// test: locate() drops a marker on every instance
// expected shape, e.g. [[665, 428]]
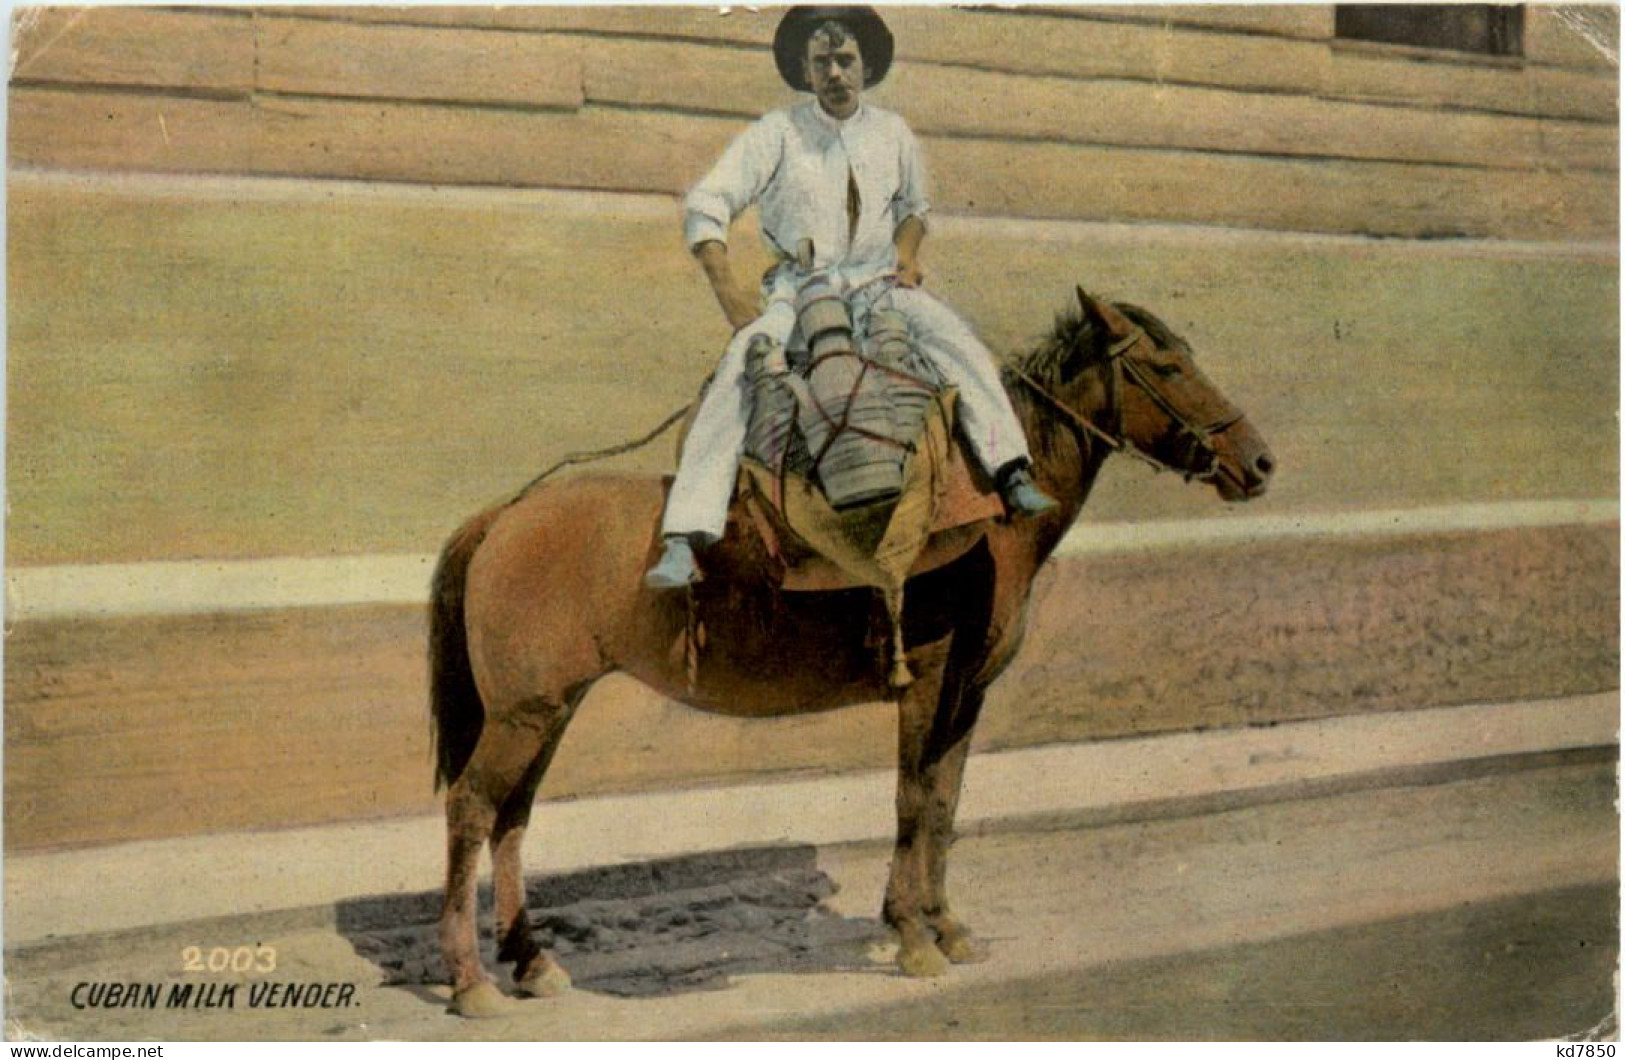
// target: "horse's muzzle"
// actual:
[[1243, 464]]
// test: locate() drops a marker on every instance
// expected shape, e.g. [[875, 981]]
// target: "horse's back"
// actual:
[[571, 532], [561, 566]]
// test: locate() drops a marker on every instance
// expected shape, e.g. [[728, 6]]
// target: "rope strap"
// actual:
[[604, 454]]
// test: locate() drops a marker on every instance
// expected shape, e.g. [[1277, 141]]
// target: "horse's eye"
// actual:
[[1168, 369]]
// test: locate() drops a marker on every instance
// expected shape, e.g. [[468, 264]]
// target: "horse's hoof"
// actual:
[[478, 1002], [957, 943], [962, 949], [922, 961], [549, 979]]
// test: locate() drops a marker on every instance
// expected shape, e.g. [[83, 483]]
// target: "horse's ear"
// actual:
[[1105, 314]]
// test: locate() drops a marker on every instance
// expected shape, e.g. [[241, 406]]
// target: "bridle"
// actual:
[[1120, 364]]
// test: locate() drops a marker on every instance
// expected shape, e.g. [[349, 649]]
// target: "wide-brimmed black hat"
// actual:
[[790, 42]]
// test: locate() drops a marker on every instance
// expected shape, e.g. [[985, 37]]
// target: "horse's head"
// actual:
[[1130, 382]]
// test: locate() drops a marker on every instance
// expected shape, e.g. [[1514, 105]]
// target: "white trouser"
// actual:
[[709, 465]]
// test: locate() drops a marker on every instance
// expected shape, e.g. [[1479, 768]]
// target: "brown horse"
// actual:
[[536, 599]]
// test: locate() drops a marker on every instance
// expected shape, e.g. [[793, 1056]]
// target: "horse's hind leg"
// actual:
[[469, 819], [490, 800], [535, 971]]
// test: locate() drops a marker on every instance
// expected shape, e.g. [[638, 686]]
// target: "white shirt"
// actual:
[[796, 163]]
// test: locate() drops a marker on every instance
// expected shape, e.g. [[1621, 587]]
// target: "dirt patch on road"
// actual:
[[647, 929]]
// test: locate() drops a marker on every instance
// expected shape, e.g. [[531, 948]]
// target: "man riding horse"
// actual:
[[538, 597], [841, 190]]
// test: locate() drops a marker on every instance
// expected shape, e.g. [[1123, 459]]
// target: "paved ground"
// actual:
[[98, 890], [1529, 967], [1482, 907]]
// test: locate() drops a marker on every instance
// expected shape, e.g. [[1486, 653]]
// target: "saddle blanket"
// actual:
[[820, 548]]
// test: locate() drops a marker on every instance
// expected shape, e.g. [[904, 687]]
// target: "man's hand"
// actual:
[[738, 305], [908, 237]]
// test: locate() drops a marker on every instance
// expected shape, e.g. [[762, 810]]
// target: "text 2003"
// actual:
[[228, 959]]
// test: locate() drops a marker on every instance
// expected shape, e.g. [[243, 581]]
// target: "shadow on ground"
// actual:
[[658, 927]]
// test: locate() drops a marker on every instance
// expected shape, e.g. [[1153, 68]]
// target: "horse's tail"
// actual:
[[456, 714]]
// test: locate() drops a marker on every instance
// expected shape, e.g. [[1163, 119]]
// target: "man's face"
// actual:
[[835, 72]]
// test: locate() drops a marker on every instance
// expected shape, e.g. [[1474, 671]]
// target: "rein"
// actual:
[[604, 454], [1115, 356], [1116, 442]]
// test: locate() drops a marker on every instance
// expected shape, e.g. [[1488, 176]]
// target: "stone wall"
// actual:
[[314, 284]]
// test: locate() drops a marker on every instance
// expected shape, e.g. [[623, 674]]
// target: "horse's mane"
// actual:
[[1076, 336], [1075, 343]]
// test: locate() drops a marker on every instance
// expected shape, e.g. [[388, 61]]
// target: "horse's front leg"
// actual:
[[908, 891], [954, 939]]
